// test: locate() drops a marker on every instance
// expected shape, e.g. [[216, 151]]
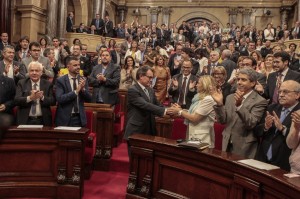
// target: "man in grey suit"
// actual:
[[242, 112], [9, 67], [105, 80], [35, 51]]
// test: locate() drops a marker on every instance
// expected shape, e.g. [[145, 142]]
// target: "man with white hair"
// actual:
[[34, 96]]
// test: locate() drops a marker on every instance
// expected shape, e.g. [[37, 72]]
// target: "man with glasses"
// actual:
[[35, 51], [85, 65], [283, 73], [241, 113], [182, 88], [143, 105], [105, 80], [276, 125]]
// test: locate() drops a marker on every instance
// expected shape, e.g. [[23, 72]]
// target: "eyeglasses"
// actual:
[[286, 92], [150, 77]]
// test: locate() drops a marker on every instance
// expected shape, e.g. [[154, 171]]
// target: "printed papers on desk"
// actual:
[[30, 126], [68, 128], [194, 145], [258, 164]]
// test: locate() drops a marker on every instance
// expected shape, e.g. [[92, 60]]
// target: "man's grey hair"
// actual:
[[252, 74]]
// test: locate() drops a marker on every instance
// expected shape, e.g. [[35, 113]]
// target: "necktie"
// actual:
[[283, 115], [24, 54], [147, 93], [97, 24], [275, 94], [182, 92], [75, 103], [33, 106]]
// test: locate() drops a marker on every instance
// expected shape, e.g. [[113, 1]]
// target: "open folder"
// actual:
[[196, 145]]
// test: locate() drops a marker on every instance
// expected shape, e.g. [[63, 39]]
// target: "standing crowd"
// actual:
[[236, 76]]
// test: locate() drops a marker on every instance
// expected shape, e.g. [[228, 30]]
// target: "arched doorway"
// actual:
[[199, 20], [199, 16]]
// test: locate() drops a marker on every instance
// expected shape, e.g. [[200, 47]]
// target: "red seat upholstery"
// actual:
[[179, 129], [218, 135], [119, 124]]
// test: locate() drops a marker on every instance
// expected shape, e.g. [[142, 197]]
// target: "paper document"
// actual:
[[69, 128], [30, 126], [258, 164]]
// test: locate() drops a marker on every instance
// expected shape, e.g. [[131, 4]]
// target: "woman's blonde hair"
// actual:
[[207, 82]]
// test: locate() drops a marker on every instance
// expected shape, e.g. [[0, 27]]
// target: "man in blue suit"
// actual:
[[71, 93]]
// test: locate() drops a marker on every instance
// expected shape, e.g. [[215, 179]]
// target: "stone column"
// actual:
[[102, 9], [166, 16], [284, 11], [51, 26], [298, 10], [121, 13], [154, 14], [62, 16], [96, 7], [232, 15], [246, 15], [5, 17]]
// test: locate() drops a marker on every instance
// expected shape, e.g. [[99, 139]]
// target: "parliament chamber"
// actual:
[[45, 163]]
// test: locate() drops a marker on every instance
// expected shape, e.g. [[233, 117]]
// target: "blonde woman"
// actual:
[[200, 117]]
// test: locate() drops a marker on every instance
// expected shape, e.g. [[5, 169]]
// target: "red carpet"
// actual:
[[112, 184]]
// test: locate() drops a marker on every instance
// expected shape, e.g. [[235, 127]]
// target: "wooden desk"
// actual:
[[42, 163], [160, 169]]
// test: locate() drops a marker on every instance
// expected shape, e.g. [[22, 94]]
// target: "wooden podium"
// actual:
[[43, 163], [161, 169]]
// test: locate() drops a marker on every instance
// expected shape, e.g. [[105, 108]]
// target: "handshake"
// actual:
[[173, 110]]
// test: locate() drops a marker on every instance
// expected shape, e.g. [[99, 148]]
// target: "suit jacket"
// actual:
[[113, 54], [171, 65], [101, 25], [295, 65], [7, 93], [175, 92], [78, 30], [280, 150], [141, 111], [69, 26], [20, 75], [108, 89], [229, 66], [44, 61], [24, 88], [85, 65], [217, 39], [65, 97], [110, 29], [272, 79], [240, 123]]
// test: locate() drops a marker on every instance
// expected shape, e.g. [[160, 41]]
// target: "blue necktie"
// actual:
[[283, 115]]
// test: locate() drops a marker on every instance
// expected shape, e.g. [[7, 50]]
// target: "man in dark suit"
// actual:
[[182, 88], [105, 80], [34, 96], [214, 57], [241, 113], [296, 29], [81, 28], [70, 22], [71, 93], [7, 95], [228, 64], [85, 64], [175, 60], [283, 73], [108, 28], [116, 54], [9, 67], [275, 127], [143, 105], [98, 23], [250, 48], [4, 41]]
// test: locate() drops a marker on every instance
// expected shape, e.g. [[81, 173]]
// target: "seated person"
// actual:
[[81, 28]]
